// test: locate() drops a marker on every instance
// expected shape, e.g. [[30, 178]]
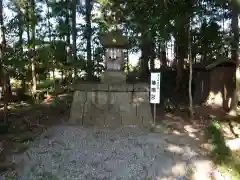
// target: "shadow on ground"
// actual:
[[26, 122], [179, 149], [68, 152], [211, 135]]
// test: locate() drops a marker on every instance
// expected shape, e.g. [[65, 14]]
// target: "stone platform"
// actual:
[[113, 77], [111, 105]]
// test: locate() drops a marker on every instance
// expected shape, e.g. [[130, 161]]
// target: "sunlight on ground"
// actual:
[[191, 131], [175, 149], [15, 106], [215, 99]]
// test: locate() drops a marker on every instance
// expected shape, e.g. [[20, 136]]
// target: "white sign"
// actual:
[[155, 88]]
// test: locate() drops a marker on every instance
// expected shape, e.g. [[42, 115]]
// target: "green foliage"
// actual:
[[146, 22], [220, 151], [45, 84]]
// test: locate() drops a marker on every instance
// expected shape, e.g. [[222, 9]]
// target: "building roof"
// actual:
[[220, 62], [207, 66], [115, 39]]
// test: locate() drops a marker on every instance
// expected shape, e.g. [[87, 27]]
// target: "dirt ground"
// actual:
[[32, 121], [179, 119]]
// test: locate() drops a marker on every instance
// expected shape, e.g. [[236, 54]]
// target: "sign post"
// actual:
[[155, 92]]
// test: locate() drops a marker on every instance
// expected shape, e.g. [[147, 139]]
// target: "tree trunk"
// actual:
[[50, 38], [181, 47], [51, 57], [144, 61], [191, 111], [3, 73], [68, 39], [162, 54], [32, 48], [147, 53], [20, 35], [28, 34], [28, 25], [67, 20], [88, 9], [152, 54], [234, 48], [74, 36]]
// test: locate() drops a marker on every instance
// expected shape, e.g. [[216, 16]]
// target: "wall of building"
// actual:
[[221, 87]]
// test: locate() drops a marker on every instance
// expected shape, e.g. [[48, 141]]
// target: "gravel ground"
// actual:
[[77, 153]]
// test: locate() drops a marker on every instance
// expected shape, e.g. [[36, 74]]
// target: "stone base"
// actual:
[[111, 105], [113, 77]]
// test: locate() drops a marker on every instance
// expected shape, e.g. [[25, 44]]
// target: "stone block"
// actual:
[[77, 108], [112, 108], [112, 77]]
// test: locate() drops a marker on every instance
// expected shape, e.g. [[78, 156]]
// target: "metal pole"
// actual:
[[154, 114]]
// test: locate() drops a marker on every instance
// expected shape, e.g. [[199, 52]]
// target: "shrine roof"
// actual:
[[115, 39]]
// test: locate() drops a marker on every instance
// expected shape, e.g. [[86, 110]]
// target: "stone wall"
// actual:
[[111, 105]]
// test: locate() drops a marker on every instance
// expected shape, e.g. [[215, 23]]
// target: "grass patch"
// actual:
[[228, 162], [24, 138]]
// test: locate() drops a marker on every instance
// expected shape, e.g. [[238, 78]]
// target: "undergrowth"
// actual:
[[228, 162]]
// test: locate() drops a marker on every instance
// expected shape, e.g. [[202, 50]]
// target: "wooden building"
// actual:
[[214, 83]]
